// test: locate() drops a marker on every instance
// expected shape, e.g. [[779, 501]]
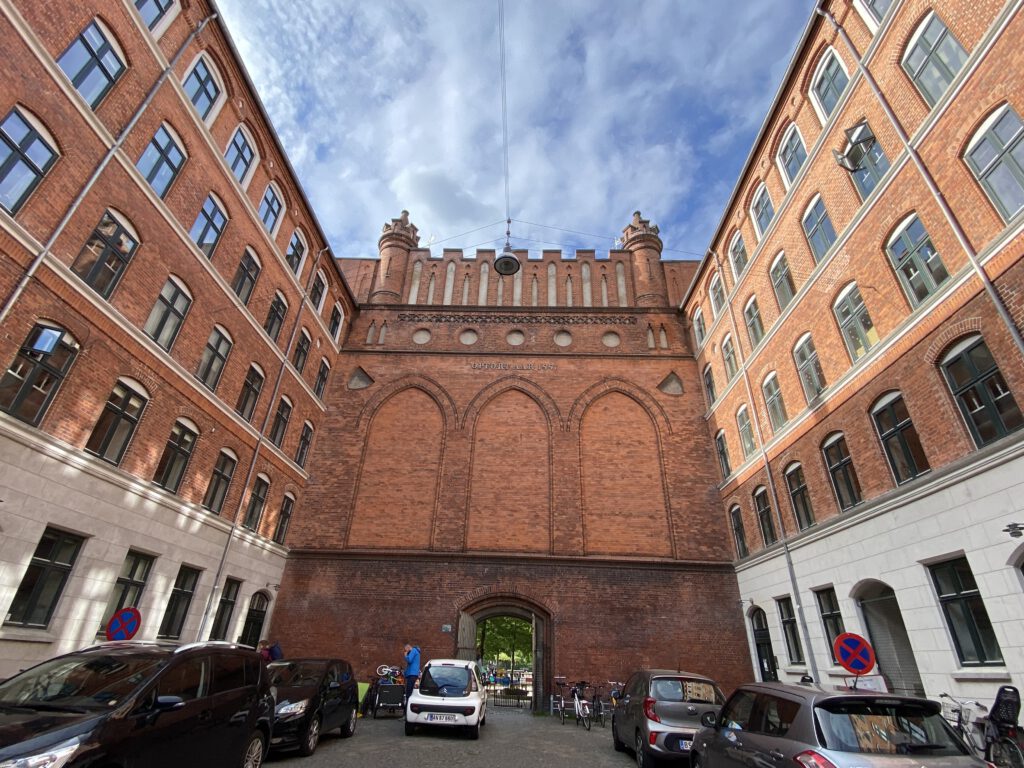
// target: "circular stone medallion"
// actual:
[[515, 338], [469, 337], [611, 339], [563, 338], [422, 336]]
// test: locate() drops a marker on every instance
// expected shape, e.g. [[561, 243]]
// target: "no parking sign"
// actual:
[[854, 653], [124, 624]]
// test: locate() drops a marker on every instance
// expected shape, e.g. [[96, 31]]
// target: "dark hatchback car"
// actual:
[[815, 727], [659, 710], [145, 705], [313, 696]]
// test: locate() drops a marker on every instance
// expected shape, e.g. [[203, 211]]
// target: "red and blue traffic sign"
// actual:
[[124, 624], [854, 653]]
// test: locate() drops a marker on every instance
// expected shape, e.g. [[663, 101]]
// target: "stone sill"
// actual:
[[24, 635], [966, 675]]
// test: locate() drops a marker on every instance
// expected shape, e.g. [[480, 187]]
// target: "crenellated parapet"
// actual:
[[397, 238]]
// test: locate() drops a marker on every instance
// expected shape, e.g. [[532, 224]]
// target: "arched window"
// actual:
[[763, 508], [449, 283], [933, 58], [204, 88], [978, 386], [996, 158], [215, 356], [246, 275], [162, 159], [220, 480], [321, 378], [568, 291], [917, 263], [808, 367], [275, 316], [798, 496], [717, 295], [414, 286], [93, 62], [818, 228], [729, 358], [709, 385], [782, 281], [587, 293], [252, 629], [752, 318], [301, 352], [337, 319], [485, 272], [250, 394], [296, 250], [840, 469], [284, 517], [792, 154], [33, 377], [827, 86], [318, 291], [899, 437], [168, 313], [305, 441], [738, 255], [281, 417], [739, 536], [699, 332], [177, 452], [620, 282], [872, 11], [117, 421], [271, 208], [242, 155], [209, 225], [28, 154], [107, 253], [257, 501], [722, 449], [762, 211], [157, 15], [552, 287], [746, 431], [854, 322], [773, 401]]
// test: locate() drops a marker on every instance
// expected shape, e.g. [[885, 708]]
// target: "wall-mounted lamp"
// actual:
[[1016, 530], [275, 586]]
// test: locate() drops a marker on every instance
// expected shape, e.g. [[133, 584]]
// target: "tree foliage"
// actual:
[[505, 637]]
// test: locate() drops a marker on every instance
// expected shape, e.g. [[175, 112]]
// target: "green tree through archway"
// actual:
[[505, 641]]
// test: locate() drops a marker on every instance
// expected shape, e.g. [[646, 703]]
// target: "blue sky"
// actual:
[[612, 107]]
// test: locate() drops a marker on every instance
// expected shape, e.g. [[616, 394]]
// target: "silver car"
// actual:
[[765, 724], [659, 710]]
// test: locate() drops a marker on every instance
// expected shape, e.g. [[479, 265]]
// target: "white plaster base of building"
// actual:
[[960, 511], [46, 483]]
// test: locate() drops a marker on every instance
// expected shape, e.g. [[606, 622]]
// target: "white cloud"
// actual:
[[612, 107]]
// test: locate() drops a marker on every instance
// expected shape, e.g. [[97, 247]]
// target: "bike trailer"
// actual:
[[390, 695]]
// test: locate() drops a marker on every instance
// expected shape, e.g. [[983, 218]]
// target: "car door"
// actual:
[[632, 707], [724, 746], [333, 708], [765, 745], [231, 704], [169, 738]]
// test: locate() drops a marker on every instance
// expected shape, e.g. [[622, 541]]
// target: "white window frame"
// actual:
[[244, 183], [762, 188], [990, 121], [819, 108], [732, 242], [297, 232], [869, 18], [699, 313], [161, 26], [715, 310], [786, 181], [272, 234], [218, 79], [739, 431]]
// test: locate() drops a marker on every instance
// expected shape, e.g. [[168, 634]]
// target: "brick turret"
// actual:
[[398, 238], [641, 239]]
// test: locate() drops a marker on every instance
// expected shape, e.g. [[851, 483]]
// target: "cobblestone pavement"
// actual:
[[511, 739]]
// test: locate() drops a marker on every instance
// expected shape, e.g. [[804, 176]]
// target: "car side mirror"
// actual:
[[709, 719], [169, 703], [334, 685]]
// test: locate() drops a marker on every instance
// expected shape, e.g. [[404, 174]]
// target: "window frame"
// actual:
[[855, 322], [219, 486], [300, 354], [841, 466], [215, 357], [824, 115], [831, 614], [35, 134], [978, 384], [278, 214], [774, 414], [95, 61], [739, 535], [278, 312], [257, 502], [817, 234], [177, 455], [737, 240], [98, 443], [729, 359], [757, 209], [282, 416], [708, 378], [747, 321], [322, 374], [716, 295], [296, 264], [305, 443], [186, 583], [799, 497], [249, 395], [912, 256], [970, 601], [234, 153], [161, 157], [334, 325], [169, 307], [722, 451], [130, 584], [159, 24], [900, 430], [284, 517], [245, 279], [780, 161], [808, 370], [108, 253], [41, 569], [790, 631], [700, 333], [745, 429], [225, 608], [1014, 168], [780, 260], [209, 221], [931, 59], [763, 511], [875, 164], [214, 78], [318, 300], [40, 370]]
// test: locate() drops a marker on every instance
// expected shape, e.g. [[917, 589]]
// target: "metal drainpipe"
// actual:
[[259, 444], [23, 282], [951, 218], [802, 618]]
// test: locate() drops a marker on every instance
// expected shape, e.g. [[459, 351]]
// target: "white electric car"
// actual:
[[449, 693]]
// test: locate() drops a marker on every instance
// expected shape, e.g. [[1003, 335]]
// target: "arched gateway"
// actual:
[[519, 456]]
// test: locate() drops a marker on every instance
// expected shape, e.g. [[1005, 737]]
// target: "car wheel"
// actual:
[[410, 729], [254, 750], [473, 731], [643, 760], [348, 728], [616, 741], [311, 737]]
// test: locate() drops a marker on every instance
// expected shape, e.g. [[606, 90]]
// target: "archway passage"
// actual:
[[888, 636], [510, 637]]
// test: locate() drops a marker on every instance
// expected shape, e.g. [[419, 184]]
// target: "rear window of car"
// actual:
[[686, 689], [287, 673], [228, 672], [886, 727], [445, 681]]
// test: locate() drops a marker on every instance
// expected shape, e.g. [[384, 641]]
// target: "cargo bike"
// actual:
[[388, 691]]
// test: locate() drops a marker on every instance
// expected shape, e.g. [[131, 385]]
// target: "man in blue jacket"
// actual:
[[412, 668]]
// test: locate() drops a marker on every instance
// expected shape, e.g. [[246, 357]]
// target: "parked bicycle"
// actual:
[[580, 706], [999, 729], [388, 690], [602, 710]]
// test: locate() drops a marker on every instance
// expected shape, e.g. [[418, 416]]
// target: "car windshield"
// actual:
[[686, 689], [286, 673], [445, 681], [886, 727], [94, 680]]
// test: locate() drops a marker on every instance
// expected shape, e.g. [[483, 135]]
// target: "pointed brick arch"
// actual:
[[438, 393], [643, 399], [527, 387]]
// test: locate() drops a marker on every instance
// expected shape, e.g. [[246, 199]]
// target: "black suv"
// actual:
[[152, 705]]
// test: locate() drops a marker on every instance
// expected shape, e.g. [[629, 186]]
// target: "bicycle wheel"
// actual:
[[382, 670], [561, 709], [1006, 754], [585, 717], [602, 714]]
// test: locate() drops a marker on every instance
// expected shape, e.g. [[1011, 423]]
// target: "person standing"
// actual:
[[412, 668]]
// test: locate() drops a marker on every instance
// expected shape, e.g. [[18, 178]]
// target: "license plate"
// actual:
[[434, 717], [684, 746]]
